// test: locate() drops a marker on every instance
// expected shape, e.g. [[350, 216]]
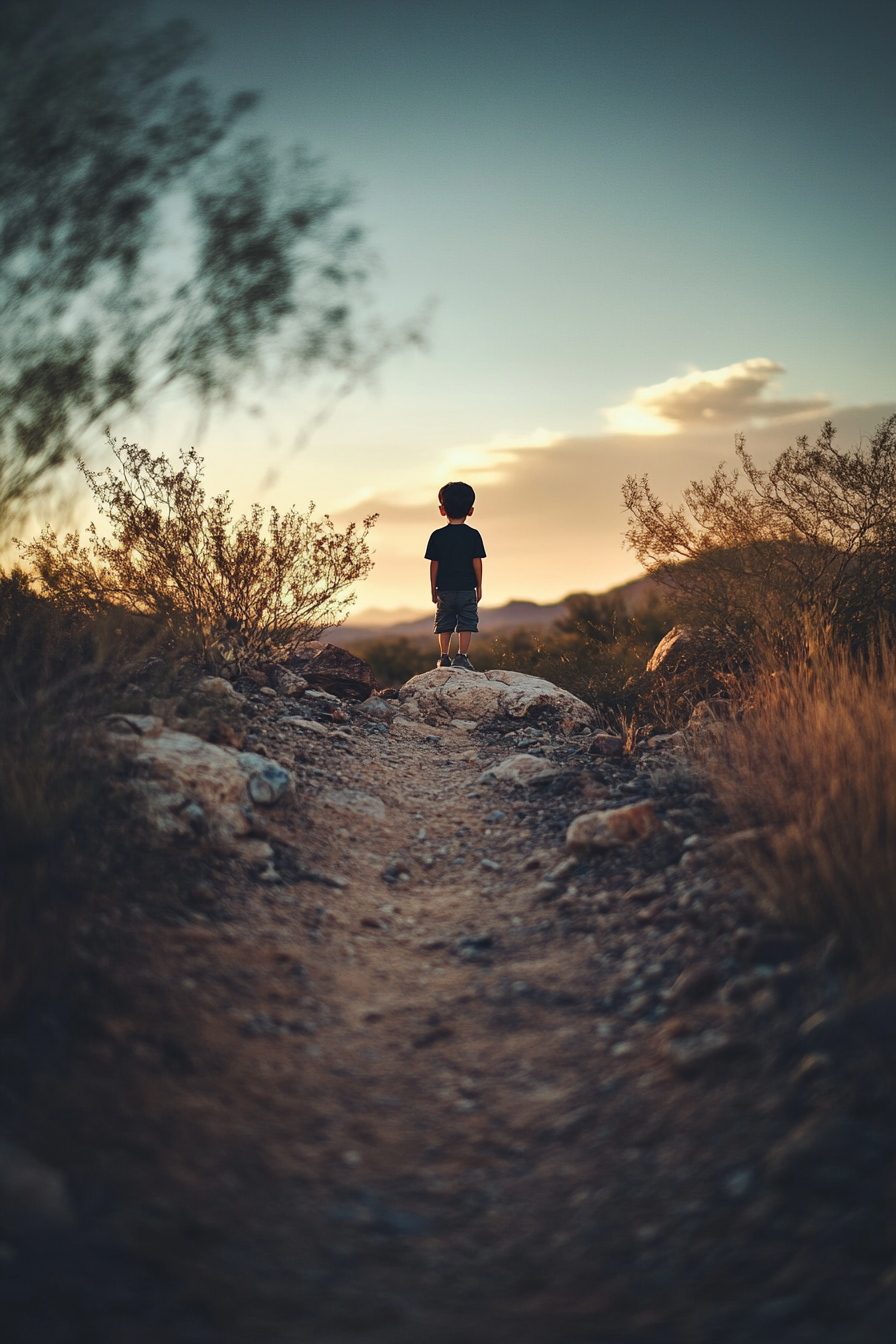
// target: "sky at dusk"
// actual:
[[641, 227]]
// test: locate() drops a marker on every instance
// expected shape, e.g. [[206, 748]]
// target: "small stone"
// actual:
[[268, 780], [268, 691], [289, 684], [629, 825], [491, 864], [305, 726], [524, 769], [356, 802], [218, 688], [395, 871], [545, 891], [474, 945], [606, 744], [376, 708], [694, 983], [494, 816]]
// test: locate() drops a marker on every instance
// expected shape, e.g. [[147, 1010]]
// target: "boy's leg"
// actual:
[[463, 640], [445, 642]]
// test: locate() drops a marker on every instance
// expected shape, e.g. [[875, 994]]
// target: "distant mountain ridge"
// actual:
[[514, 615]]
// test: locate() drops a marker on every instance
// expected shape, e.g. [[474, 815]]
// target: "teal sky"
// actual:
[[598, 197]]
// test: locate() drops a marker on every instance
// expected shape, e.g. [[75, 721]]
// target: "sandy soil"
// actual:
[[400, 1091]]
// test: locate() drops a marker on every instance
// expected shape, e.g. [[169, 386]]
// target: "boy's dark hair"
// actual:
[[457, 498]]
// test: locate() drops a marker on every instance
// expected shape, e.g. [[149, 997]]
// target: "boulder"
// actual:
[[521, 769], [185, 787], [450, 693], [671, 648], [612, 829], [326, 667]]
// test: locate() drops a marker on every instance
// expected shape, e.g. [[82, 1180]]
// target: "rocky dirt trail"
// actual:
[[430, 1073]]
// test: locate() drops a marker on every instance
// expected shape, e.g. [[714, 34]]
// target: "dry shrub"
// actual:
[[813, 765], [236, 589], [754, 555]]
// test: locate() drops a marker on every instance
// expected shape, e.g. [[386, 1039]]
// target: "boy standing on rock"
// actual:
[[455, 554]]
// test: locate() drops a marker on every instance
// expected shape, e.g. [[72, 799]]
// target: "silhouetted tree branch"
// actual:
[[143, 243]]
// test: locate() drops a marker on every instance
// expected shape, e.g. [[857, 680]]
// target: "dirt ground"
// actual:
[[410, 1086]]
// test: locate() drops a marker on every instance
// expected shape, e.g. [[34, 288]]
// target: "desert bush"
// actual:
[[236, 589], [812, 539], [812, 766]]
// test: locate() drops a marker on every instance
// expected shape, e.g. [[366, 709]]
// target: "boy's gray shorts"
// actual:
[[456, 611]]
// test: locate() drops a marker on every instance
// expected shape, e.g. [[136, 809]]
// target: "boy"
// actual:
[[455, 554]]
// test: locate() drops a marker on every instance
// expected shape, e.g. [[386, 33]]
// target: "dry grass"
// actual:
[[813, 764]]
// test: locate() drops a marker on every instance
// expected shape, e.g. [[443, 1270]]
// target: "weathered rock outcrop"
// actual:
[[326, 667], [672, 648], [446, 694], [185, 787]]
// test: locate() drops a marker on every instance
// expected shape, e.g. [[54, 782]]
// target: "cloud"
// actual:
[[709, 399]]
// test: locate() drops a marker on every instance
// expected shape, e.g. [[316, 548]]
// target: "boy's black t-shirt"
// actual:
[[454, 546]]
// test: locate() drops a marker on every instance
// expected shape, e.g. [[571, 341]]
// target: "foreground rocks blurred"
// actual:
[[183, 786], [499, 1011]]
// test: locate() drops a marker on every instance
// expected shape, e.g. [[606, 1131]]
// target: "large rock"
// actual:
[[670, 651], [612, 829], [326, 667], [186, 787], [445, 694]]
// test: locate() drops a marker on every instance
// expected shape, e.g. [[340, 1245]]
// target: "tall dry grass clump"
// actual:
[[812, 766]]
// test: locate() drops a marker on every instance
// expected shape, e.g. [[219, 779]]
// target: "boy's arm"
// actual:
[[477, 570], [433, 574]]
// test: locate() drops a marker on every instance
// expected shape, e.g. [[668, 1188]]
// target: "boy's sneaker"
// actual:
[[463, 661], [444, 661]]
